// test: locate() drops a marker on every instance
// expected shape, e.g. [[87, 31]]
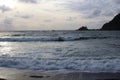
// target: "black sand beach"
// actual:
[[15, 74]]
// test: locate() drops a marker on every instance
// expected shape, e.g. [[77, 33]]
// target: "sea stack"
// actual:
[[114, 24], [82, 28]]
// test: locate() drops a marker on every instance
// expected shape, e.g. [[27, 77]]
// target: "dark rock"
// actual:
[[113, 24], [2, 79], [41, 76], [83, 28]]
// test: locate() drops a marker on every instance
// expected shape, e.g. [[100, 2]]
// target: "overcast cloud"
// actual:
[[57, 14], [4, 8], [28, 1]]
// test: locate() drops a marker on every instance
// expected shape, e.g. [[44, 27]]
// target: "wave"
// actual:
[[18, 35], [84, 65], [48, 39]]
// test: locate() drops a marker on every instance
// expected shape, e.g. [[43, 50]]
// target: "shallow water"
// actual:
[[61, 50]]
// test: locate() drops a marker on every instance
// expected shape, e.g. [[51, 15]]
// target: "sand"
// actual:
[[15, 74]]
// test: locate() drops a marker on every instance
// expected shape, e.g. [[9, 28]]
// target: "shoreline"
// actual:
[[16, 74]]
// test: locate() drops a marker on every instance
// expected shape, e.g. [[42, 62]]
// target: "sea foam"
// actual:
[[83, 65]]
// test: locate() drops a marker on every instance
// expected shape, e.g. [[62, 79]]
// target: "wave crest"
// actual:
[[49, 39]]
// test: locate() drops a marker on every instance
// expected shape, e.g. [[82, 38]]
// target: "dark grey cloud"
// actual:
[[117, 1], [8, 23], [84, 6], [48, 20], [4, 8], [93, 8], [108, 14], [29, 1], [98, 14], [118, 11], [71, 18], [25, 16], [94, 14]]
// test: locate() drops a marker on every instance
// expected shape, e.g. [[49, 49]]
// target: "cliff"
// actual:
[[114, 24]]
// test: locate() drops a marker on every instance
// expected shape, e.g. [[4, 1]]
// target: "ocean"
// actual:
[[84, 51]]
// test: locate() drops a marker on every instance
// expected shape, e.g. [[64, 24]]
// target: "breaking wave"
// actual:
[[48, 39], [84, 65]]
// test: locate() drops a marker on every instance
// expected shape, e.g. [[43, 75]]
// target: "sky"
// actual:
[[56, 14]]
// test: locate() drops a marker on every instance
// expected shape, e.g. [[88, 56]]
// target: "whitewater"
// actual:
[[85, 51]]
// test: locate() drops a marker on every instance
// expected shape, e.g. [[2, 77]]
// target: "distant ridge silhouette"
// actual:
[[114, 24]]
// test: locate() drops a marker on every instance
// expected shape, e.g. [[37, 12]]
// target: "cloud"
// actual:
[[82, 5], [66, 13], [24, 16], [4, 8], [29, 1], [108, 14], [93, 7], [117, 1], [48, 20], [94, 14], [7, 24], [71, 18]]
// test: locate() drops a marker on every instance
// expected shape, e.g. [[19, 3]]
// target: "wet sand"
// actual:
[[15, 74]]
